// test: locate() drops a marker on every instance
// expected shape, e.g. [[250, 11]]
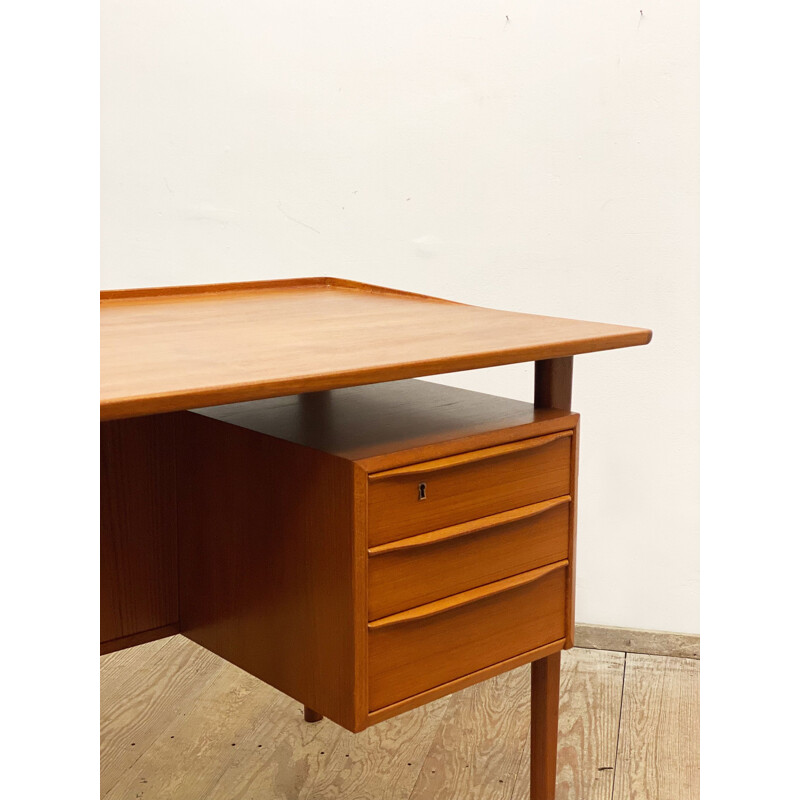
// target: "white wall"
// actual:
[[531, 156]]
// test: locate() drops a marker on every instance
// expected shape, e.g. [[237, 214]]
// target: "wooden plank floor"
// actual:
[[177, 722]]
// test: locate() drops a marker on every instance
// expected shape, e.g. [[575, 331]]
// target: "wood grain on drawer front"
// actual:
[[466, 486], [432, 644], [417, 570]]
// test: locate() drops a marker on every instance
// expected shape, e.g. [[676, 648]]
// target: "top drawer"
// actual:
[[433, 494]]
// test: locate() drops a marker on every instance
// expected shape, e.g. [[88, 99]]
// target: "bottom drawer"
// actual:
[[430, 645]]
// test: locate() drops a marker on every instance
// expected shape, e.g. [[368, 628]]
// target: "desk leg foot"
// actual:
[[545, 675], [309, 715]]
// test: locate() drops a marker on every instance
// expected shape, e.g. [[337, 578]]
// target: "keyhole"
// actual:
[[422, 488]]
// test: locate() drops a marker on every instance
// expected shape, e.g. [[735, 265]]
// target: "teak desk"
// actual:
[[361, 541]]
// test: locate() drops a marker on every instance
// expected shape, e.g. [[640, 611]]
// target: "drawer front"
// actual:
[[467, 486], [414, 571], [410, 655]]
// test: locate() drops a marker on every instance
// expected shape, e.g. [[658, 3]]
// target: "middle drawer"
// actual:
[[417, 570]]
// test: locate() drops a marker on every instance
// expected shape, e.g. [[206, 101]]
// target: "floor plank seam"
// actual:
[[619, 728], [633, 653], [520, 773], [424, 757]]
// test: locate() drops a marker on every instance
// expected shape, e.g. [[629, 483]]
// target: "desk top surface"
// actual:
[[175, 348]]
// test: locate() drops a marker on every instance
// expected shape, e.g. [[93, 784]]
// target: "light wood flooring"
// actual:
[[178, 723]]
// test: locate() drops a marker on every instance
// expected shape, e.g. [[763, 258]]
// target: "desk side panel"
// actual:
[[138, 531], [267, 560]]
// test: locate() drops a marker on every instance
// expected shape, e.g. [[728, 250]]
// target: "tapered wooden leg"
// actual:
[[553, 389], [545, 674], [309, 715]]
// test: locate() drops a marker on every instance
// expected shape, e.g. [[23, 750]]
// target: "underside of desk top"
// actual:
[[168, 349]]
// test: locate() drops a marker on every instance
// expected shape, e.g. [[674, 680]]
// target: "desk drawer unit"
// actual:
[[372, 567]]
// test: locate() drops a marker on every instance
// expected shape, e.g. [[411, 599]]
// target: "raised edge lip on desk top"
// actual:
[[168, 292], [149, 393]]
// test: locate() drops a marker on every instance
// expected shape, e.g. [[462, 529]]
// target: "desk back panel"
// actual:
[[138, 531]]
